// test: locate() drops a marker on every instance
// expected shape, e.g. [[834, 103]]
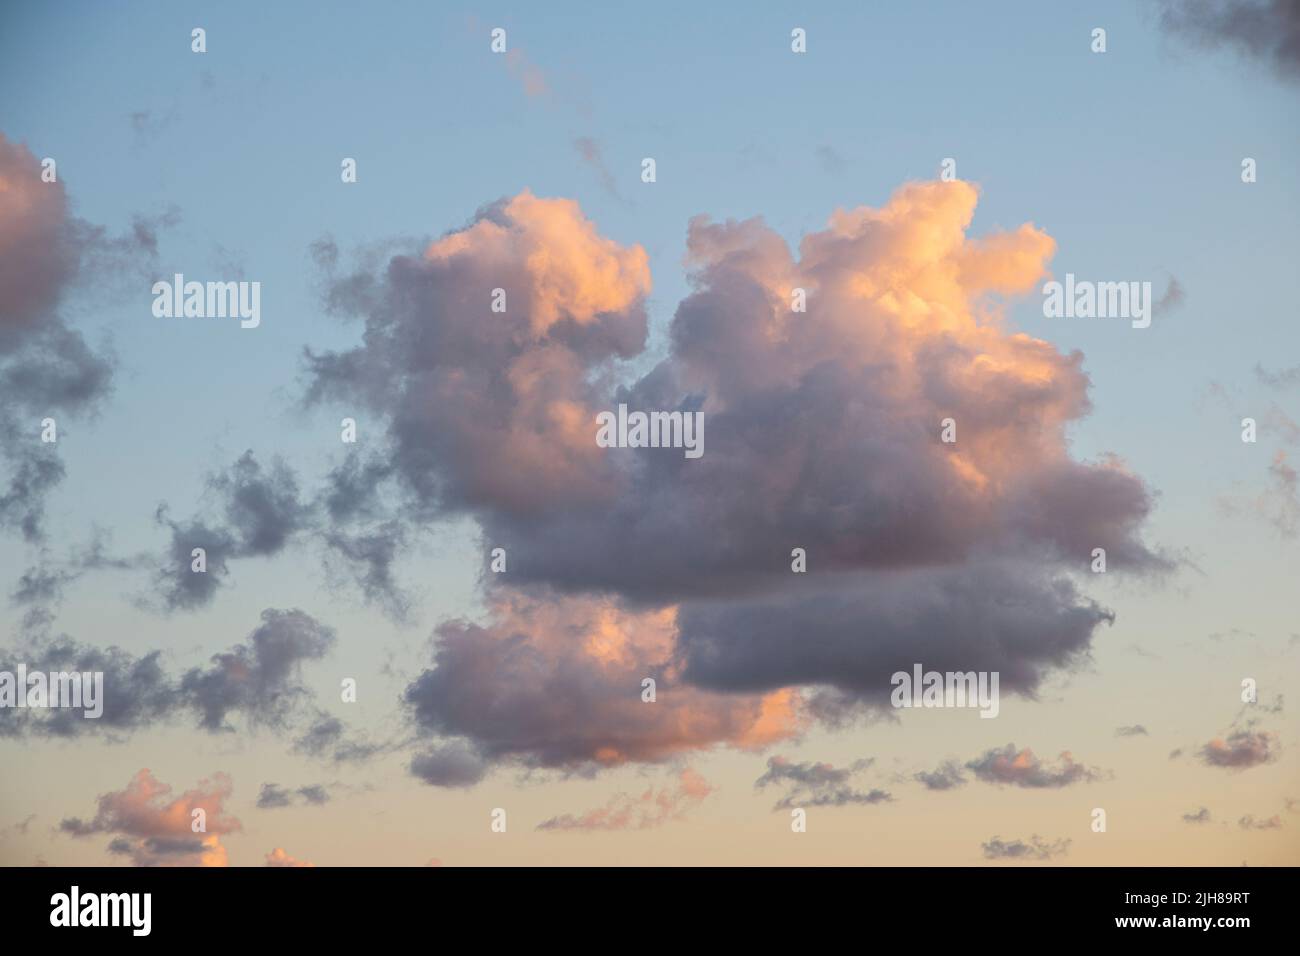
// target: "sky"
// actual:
[[335, 565]]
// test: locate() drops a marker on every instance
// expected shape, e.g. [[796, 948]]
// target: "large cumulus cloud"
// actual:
[[823, 433], [491, 409]]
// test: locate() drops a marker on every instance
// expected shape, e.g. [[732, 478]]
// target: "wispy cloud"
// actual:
[[816, 784], [593, 156], [651, 808], [1035, 848], [1022, 768]]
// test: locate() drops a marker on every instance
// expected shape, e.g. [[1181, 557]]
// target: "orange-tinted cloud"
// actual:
[[560, 682], [36, 258], [1241, 749], [651, 808], [528, 73], [502, 394], [278, 857], [1023, 768], [46, 366], [823, 433], [153, 828]]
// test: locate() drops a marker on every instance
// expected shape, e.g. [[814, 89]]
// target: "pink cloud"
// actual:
[[649, 809], [278, 857], [154, 828]]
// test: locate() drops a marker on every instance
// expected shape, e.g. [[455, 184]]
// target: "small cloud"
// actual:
[[278, 857], [153, 828], [1173, 297], [830, 159], [947, 776], [527, 72], [19, 828], [273, 796], [1248, 822], [1241, 749], [1266, 31], [652, 808], [1134, 730], [819, 784], [592, 155], [1034, 849], [315, 794], [149, 126], [1200, 816], [1022, 768], [451, 765], [1282, 378]]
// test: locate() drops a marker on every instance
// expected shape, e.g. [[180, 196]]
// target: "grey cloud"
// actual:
[[33, 471], [525, 689], [47, 369], [1264, 30], [857, 630], [273, 796], [260, 511], [591, 154], [181, 587], [818, 784], [315, 794], [40, 585], [1022, 768], [327, 736], [1035, 848], [1241, 750], [451, 765], [1282, 378], [1172, 298], [1250, 822], [369, 557], [262, 505], [151, 825], [148, 127], [830, 159], [947, 776], [259, 679], [137, 691]]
